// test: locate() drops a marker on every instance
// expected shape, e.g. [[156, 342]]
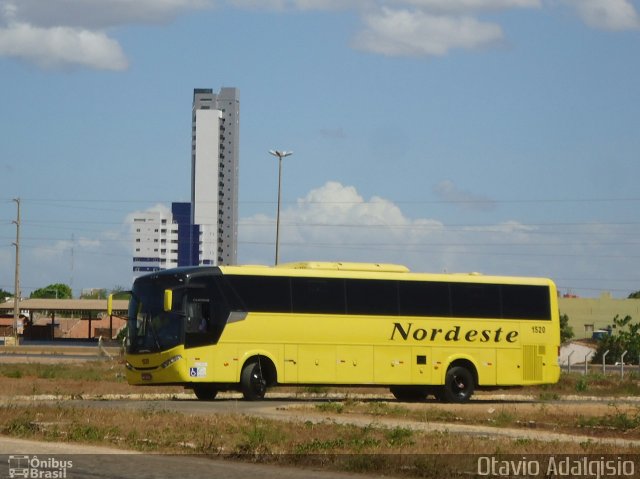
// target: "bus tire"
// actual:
[[410, 393], [458, 385], [205, 392], [252, 382]]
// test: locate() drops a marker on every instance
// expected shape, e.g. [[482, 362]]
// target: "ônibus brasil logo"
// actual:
[[37, 468]]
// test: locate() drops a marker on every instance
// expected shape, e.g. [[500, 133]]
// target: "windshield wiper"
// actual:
[[153, 332]]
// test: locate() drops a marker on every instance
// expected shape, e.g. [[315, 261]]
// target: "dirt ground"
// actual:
[[597, 417]]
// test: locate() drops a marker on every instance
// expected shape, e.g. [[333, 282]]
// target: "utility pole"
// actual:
[[16, 290]]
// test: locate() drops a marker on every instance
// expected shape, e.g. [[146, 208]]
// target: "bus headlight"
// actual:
[[170, 361], [128, 366]]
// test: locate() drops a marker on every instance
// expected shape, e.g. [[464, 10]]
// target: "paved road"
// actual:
[[87, 462]]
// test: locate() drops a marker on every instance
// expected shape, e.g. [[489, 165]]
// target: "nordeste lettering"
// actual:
[[455, 333]]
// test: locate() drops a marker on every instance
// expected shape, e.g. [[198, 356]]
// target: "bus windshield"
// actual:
[[149, 327]]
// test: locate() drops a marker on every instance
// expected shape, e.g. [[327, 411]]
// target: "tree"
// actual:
[[119, 292], [95, 294], [5, 295], [635, 295], [566, 331], [55, 291], [625, 337]]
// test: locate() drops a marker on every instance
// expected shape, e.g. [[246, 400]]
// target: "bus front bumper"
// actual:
[[167, 369]]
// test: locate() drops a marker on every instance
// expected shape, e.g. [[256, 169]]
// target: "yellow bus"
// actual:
[[248, 328]]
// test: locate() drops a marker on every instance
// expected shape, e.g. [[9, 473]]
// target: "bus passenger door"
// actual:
[[290, 363]]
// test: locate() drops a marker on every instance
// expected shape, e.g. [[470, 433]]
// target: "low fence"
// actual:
[[586, 367]]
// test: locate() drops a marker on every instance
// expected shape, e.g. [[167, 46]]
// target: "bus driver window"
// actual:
[[198, 315]]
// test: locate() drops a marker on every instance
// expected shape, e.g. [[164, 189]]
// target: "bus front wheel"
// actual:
[[458, 385], [252, 383], [205, 392]]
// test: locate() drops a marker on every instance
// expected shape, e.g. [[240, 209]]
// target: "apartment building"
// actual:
[[155, 242]]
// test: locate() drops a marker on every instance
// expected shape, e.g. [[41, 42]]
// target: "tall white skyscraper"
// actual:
[[205, 231], [214, 175]]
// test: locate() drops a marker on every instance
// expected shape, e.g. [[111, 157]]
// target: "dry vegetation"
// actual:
[[312, 436], [596, 420], [76, 379], [391, 451]]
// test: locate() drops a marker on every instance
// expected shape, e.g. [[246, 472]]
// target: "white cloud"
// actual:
[[342, 205], [612, 15], [336, 217], [416, 33], [61, 46], [61, 33], [335, 223]]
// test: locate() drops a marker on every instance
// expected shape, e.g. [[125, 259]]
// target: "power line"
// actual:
[[60, 202], [410, 225], [426, 243]]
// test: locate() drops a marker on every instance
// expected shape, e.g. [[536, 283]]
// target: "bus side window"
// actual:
[[206, 312]]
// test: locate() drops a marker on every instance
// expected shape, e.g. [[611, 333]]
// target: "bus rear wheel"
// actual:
[[252, 383], [205, 392], [410, 393], [458, 385]]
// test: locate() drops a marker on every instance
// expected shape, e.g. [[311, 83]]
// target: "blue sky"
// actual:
[[499, 136]]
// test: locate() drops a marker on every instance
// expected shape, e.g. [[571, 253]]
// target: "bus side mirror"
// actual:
[[110, 304], [168, 300]]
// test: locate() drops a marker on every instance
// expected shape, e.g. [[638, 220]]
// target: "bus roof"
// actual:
[[345, 270], [367, 267]]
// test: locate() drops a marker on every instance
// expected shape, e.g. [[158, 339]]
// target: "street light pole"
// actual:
[[16, 285], [280, 155]]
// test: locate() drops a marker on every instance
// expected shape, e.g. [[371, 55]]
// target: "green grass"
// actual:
[[618, 420], [331, 407], [595, 384]]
